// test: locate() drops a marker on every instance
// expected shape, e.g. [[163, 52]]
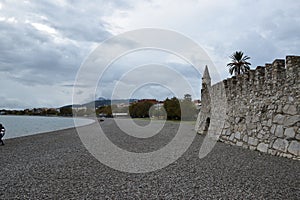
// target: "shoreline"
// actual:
[[32, 127]]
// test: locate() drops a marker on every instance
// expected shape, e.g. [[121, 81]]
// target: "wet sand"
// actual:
[[56, 165]]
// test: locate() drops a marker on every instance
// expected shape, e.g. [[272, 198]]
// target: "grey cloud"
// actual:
[[75, 85], [148, 72], [37, 59], [153, 91], [77, 20], [35, 55], [34, 58], [13, 103]]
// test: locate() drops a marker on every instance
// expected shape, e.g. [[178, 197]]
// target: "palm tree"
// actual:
[[239, 64]]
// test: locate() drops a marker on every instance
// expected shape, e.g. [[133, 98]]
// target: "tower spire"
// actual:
[[206, 77]]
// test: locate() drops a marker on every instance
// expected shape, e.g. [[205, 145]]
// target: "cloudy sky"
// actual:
[[44, 43]]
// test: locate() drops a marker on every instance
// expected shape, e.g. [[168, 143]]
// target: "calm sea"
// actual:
[[17, 126]]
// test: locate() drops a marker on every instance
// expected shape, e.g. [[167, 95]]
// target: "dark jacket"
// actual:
[[2, 131]]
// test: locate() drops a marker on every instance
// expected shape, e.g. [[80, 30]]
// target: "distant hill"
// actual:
[[98, 103], [101, 102]]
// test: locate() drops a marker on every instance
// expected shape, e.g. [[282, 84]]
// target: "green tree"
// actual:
[[140, 109], [172, 107], [105, 110], [66, 111], [51, 112], [238, 64]]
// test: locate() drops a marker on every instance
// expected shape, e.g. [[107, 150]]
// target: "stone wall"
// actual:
[[262, 108]]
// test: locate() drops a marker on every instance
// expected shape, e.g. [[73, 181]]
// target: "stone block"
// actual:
[[279, 119], [263, 132], [263, 147], [291, 120], [252, 141], [269, 123], [227, 132], [272, 152], [297, 137], [289, 132], [285, 108], [237, 120], [226, 125], [270, 114], [259, 126], [231, 137], [273, 128], [287, 155], [242, 127], [294, 148], [251, 126], [279, 109], [281, 144], [252, 148], [266, 129], [271, 107], [235, 128], [290, 109], [238, 135], [227, 142], [239, 144], [245, 138], [279, 131]]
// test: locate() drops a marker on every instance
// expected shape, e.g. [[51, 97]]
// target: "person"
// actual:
[[2, 133]]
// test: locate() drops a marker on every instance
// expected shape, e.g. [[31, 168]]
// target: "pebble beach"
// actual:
[[56, 165]]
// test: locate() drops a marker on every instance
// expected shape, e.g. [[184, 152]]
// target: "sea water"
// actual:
[[17, 126]]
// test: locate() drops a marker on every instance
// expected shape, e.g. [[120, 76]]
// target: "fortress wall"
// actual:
[[262, 108]]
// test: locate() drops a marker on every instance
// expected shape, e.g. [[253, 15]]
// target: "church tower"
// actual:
[[206, 77], [203, 120]]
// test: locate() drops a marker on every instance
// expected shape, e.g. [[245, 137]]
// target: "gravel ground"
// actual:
[[57, 166]]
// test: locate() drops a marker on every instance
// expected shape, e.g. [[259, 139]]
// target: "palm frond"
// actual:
[[231, 70], [238, 63], [230, 64], [247, 63]]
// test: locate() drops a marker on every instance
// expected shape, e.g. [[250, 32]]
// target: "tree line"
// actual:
[[172, 109]]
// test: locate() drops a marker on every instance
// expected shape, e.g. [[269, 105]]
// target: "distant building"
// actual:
[[77, 108], [188, 97], [122, 105], [158, 105], [120, 115]]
